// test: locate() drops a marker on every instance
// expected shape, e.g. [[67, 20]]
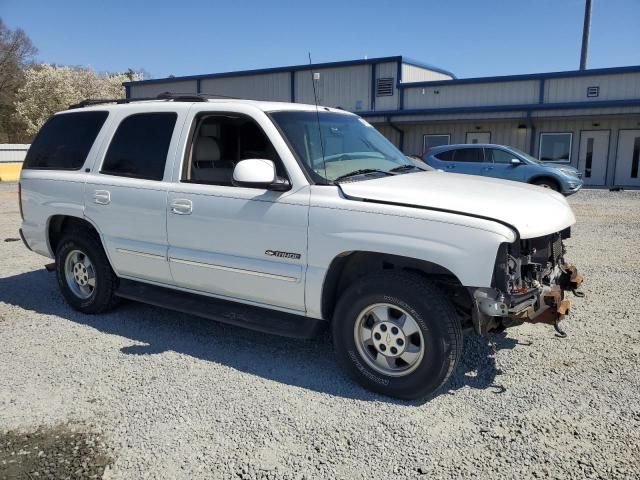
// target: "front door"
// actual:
[[594, 155], [246, 244], [628, 159], [478, 137]]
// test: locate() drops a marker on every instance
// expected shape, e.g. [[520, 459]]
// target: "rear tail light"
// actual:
[[20, 200]]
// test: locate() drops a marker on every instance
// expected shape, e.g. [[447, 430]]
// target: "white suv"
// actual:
[[286, 218]]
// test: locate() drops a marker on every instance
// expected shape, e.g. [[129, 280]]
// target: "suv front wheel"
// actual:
[[397, 334], [84, 274]]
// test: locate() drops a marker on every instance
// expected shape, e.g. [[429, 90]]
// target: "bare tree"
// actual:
[[16, 53]]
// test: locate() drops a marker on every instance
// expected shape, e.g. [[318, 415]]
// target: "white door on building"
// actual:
[[594, 156], [478, 137], [628, 159]]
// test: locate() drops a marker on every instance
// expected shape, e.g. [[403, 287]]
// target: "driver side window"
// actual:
[[219, 142], [498, 156]]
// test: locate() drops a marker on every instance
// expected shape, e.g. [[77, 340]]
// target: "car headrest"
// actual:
[[207, 150]]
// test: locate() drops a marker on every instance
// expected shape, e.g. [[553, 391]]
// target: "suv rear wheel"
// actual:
[[84, 274], [397, 334]]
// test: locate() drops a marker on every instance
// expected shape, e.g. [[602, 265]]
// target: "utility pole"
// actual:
[[586, 30]]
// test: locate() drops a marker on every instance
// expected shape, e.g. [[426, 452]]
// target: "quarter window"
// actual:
[[555, 147], [468, 155], [140, 145], [63, 143]]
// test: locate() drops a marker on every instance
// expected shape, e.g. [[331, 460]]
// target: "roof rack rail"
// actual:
[[181, 97], [168, 96]]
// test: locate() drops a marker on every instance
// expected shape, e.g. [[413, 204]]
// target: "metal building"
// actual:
[[588, 118]]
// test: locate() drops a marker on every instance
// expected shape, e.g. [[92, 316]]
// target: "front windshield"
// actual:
[[349, 144], [525, 155]]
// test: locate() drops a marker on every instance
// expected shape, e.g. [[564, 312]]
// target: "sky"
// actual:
[[471, 38]]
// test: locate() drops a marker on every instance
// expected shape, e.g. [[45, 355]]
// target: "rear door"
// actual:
[[126, 191], [466, 160]]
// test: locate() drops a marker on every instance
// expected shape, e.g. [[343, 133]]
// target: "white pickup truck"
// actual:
[[286, 218]]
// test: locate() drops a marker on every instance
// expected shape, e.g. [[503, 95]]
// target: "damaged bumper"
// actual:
[[544, 304]]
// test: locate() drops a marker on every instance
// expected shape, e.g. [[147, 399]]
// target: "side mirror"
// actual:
[[258, 173], [516, 161]]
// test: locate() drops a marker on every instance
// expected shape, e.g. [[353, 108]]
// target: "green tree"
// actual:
[[16, 54]]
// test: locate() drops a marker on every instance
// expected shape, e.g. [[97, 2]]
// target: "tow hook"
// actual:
[[557, 308], [571, 279]]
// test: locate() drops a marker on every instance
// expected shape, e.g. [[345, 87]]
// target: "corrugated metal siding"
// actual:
[[273, 86], [575, 126], [506, 133], [612, 87], [154, 89], [388, 70], [412, 73], [474, 95], [13, 152], [346, 87]]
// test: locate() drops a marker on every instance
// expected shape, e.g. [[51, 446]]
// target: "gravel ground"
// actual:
[[174, 396]]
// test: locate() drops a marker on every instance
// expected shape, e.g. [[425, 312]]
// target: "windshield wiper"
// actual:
[[362, 171], [402, 168]]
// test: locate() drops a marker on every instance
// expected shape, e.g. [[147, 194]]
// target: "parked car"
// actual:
[[285, 218], [509, 163]]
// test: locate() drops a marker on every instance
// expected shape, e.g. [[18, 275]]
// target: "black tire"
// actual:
[[435, 316], [547, 183], [103, 297]]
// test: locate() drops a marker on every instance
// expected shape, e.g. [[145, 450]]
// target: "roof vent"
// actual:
[[384, 87]]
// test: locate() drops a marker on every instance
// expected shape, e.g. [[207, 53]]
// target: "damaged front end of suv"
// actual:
[[531, 279]]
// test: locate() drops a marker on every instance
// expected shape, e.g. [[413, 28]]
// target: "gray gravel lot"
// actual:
[[174, 396]]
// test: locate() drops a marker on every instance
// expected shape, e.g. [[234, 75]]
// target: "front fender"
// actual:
[[467, 251]]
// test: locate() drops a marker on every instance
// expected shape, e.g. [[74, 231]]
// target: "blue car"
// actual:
[[504, 162]]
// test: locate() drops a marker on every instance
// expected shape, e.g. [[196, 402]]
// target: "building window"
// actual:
[[384, 87], [430, 141], [593, 91], [555, 147]]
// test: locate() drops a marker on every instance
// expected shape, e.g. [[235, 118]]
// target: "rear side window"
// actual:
[[469, 155], [445, 156], [140, 145], [63, 143]]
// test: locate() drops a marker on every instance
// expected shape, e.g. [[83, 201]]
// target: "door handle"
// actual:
[[181, 206], [487, 168], [449, 167], [102, 197]]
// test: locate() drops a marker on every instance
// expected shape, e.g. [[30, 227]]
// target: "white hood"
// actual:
[[532, 210]]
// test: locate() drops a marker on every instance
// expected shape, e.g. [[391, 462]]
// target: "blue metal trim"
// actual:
[[531, 76], [127, 91], [532, 140], [199, 86], [292, 68], [541, 91], [508, 108], [372, 101], [400, 91], [293, 86], [400, 134], [416, 63]]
